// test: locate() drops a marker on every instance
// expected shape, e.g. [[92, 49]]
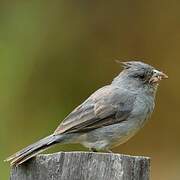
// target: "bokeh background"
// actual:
[[54, 54]]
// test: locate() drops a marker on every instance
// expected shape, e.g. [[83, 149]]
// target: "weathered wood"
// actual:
[[83, 166]]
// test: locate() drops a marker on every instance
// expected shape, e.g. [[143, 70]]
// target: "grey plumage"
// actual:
[[109, 117]]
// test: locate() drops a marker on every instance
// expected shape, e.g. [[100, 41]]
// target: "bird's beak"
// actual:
[[157, 76]]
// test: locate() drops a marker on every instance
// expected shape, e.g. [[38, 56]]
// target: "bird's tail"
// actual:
[[33, 149]]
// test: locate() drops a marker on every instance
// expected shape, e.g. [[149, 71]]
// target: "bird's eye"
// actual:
[[142, 76]]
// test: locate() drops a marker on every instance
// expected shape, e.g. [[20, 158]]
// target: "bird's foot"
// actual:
[[93, 150]]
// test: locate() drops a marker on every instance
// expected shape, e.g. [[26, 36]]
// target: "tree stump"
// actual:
[[83, 166]]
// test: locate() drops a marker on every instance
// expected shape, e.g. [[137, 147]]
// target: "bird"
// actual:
[[109, 117]]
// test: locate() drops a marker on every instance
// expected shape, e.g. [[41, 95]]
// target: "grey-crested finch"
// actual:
[[109, 117]]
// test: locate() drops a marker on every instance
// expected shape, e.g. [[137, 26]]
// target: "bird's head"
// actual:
[[139, 74]]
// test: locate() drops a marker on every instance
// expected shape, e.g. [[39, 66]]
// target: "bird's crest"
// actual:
[[133, 64]]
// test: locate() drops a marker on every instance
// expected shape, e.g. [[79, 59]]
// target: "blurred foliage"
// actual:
[[54, 54]]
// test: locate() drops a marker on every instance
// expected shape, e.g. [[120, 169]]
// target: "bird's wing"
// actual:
[[108, 105]]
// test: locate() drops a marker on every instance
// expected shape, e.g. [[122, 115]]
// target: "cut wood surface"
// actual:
[[83, 166]]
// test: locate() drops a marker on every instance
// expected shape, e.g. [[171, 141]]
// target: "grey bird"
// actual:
[[109, 117]]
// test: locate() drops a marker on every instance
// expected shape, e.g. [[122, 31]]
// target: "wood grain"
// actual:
[[83, 166]]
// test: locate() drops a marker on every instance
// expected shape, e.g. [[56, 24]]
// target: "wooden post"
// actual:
[[83, 166]]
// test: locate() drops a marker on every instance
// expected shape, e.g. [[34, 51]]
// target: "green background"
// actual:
[[54, 54]]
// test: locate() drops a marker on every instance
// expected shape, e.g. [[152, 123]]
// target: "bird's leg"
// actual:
[[108, 150], [93, 150]]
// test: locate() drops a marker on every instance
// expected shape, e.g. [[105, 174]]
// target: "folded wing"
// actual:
[[108, 105]]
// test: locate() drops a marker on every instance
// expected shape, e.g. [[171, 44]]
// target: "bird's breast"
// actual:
[[143, 108]]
